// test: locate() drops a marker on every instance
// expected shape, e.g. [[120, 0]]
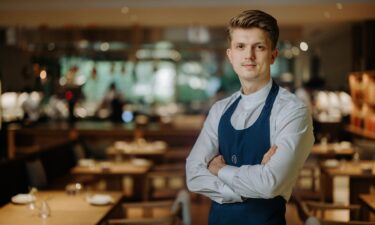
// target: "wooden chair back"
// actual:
[[315, 213], [175, 212], [164, 184]]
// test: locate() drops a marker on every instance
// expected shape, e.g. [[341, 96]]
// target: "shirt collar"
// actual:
[[258, 96]]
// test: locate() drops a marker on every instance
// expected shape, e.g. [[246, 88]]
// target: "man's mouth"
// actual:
[[249, 65]]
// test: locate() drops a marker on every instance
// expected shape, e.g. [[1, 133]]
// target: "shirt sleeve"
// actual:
[[294, 139], [199, 178]]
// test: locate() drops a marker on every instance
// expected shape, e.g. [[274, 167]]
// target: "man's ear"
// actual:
[[274, 55], [229, 55]]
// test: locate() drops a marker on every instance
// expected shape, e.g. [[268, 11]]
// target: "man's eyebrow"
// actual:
[[245, 42], [260, 42]]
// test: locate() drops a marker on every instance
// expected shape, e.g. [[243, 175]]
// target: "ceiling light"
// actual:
[[104, 46], [303, 46], [43, 75]]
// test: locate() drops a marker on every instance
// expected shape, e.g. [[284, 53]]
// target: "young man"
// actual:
[[253, 143]]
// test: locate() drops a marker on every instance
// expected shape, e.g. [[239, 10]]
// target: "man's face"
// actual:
[[251, 54]]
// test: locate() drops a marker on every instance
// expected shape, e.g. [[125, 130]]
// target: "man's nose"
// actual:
[[250, 53]]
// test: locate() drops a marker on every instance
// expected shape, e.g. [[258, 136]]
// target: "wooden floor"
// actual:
[[200, 208]]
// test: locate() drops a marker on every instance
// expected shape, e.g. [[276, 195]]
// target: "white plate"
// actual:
[[331, 163], [100, 199], [23, 198], [140, 162], [86, 162]]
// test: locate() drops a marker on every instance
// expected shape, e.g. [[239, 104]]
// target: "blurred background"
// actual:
[[152, 61], [156, 61], [91, 79]]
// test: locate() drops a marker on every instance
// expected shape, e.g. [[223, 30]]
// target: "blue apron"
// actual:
[[247, 147]]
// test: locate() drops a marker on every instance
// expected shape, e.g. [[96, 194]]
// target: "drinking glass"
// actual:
[[44, 210]]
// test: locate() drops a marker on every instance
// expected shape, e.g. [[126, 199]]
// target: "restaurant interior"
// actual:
[[101, 103]]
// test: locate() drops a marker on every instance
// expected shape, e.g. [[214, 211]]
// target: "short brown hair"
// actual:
[[255, 18]]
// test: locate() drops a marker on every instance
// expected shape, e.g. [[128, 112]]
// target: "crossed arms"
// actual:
[[208, 174]]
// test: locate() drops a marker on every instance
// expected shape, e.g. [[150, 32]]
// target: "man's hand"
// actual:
[[218, 161], [269, 154], [216, 164]]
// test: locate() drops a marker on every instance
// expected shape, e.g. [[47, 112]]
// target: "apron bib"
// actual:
[[247, 147]]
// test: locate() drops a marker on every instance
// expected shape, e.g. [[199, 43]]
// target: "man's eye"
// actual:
[[240, 46], [260, 47]]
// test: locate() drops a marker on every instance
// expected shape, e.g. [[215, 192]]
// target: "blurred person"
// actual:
[[124, 81], [71, 75], [114, 100], [254, 142], [93, 90]]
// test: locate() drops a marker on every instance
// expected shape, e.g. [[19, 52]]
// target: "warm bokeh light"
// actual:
[[339, 6], [303, 46], [295, 51], [43, 75], [125, 10], [104, 46]]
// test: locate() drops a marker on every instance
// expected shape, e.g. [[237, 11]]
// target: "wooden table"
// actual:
[[65, 210], [368, 201], [129, 150], [360, 181], [332, 151], [113, 173]]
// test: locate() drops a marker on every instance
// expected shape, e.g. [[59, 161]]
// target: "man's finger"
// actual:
[[270, 151], [273, 148]]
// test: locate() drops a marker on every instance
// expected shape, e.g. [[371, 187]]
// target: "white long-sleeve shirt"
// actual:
[[290, 129]]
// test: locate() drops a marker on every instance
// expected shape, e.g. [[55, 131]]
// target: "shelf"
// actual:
[[362, 102], [360, 132]]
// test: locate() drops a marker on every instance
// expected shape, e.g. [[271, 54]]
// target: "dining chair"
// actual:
[[316, 213], [317, 221], [79, 152], [306, 186], [175, 212], [164, 182], [36, 174]]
